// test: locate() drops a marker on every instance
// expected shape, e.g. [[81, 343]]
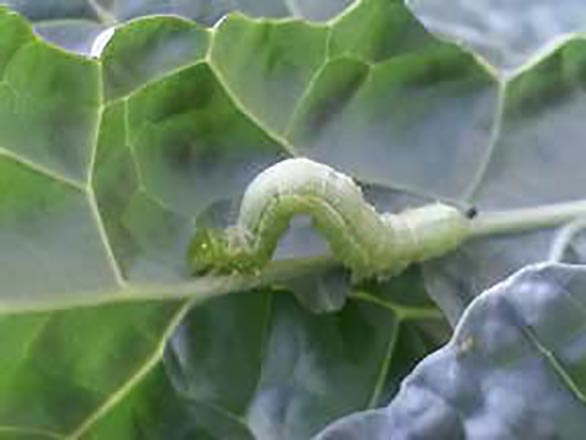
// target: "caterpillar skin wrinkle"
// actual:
[[368, 243]]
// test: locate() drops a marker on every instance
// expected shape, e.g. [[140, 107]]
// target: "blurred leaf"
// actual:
[[513, 369], [75, 24], [508, 34]]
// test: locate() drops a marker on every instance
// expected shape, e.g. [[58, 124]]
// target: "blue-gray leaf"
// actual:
[[514, 369]]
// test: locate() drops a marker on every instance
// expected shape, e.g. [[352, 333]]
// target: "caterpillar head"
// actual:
[[219, 251]]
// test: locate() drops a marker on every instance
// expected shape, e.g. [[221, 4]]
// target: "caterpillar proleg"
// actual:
[[368, 243]]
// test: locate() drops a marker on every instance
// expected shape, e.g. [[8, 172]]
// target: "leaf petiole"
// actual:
[[525, 219]]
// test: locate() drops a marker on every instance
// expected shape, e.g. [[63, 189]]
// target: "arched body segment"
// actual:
[[368, 243]]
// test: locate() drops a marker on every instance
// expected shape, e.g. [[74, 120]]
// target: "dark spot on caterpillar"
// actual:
[[472, 212]]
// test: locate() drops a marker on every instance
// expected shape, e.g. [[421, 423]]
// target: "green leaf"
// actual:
[[63, 369], [62, 105], [257, 365], [514, 368], [84, 216], [387, 29], [48, 124], [148, 48], [271, 66], [106, 166], [96, 214], [541, 101]]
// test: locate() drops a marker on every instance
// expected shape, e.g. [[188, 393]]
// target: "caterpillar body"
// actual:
[[368, 243]]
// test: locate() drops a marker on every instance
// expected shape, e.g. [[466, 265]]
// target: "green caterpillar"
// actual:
[[368, 243]]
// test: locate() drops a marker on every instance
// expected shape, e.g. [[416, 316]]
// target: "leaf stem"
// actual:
[[563, 238], [200, 289], [524, 219]]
